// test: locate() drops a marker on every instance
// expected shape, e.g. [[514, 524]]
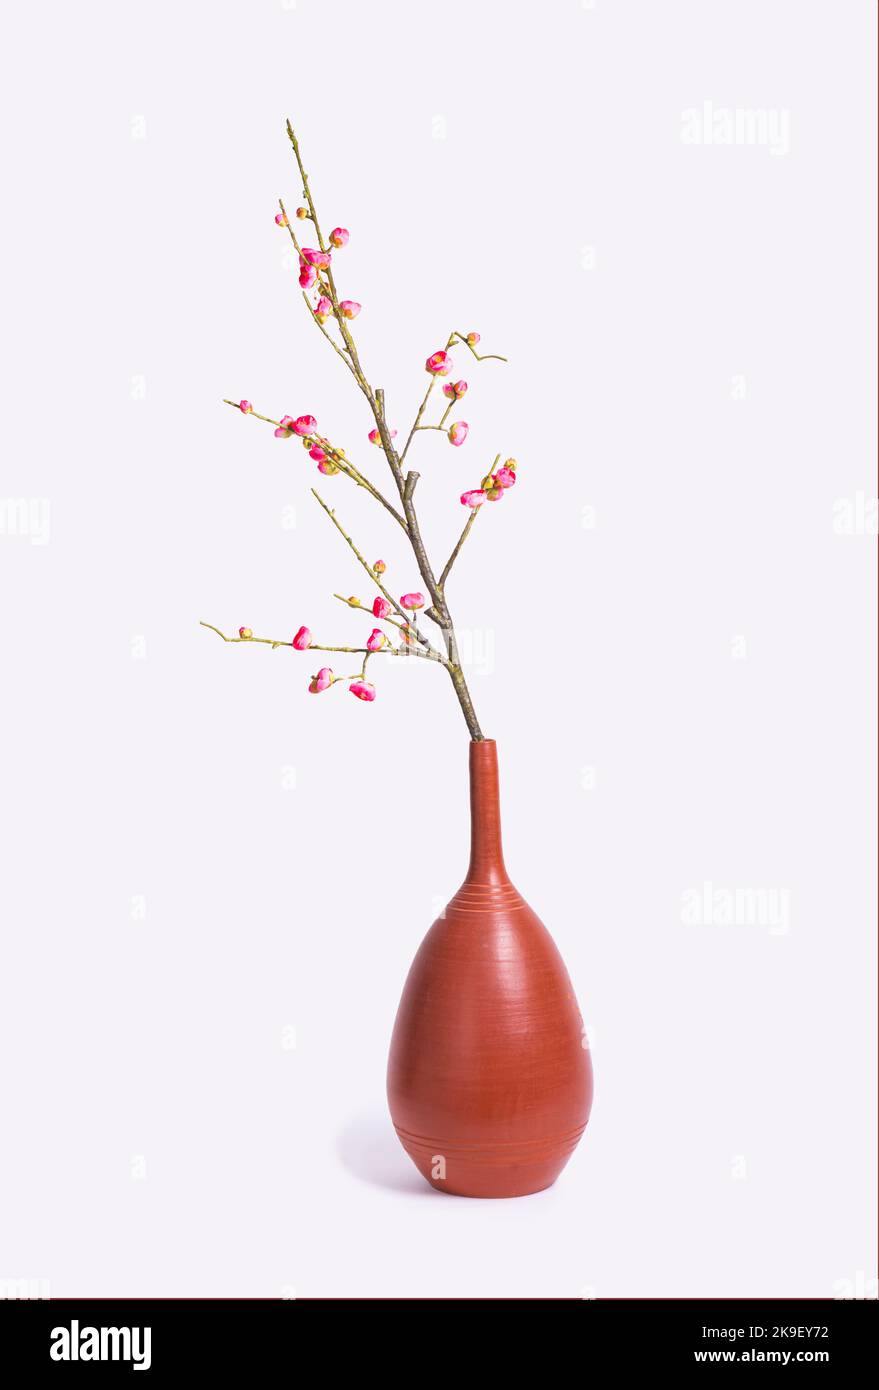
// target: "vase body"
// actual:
[[489, 1076]]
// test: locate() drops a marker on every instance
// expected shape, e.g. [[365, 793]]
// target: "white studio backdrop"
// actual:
[[213, 884]]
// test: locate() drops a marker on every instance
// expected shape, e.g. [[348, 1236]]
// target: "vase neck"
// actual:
[[486, 853]]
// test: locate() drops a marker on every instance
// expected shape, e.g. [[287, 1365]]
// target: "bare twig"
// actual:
[[468, 525]]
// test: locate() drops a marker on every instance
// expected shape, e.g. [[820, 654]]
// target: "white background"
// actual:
[[672, 642]]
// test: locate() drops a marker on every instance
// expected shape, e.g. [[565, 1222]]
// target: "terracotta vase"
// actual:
[[489, 1076]]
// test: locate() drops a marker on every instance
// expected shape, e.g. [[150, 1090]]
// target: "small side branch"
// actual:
[[269, 641], [370, 571], [461, 539], [480, 356], [342, 462]]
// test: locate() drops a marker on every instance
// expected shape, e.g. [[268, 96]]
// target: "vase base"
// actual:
[[516, 1190], [510, 1169]]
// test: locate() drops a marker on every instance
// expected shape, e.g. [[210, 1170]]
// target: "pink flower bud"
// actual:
[[302, 640], [475, 498], [458, 433], [381, 608], [304, 424], [316, 453], [285, 428], [505, 477], [302, 213], [322, 681], [455, 390], [379, 567], [364, 690], [350, 308], [494, 494], [473, 339], [439, 364], [281, 219], [327, 467], [307, 276], [319, 259], [376, 640], [375, 438], [323, 309], [245, 633], [339, 236], [412, 601], [245, 407]]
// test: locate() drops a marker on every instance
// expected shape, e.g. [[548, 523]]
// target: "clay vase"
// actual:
[[489, 1076]]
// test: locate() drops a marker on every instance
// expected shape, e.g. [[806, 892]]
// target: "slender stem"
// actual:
[[480, 356], [366, 565], [421, 410], [312, 646], [468, 526]]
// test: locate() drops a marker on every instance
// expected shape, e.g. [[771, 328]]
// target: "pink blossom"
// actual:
[[439, 364], [350, 308], [375, 438], [321, 681], [319, 259], [380, 608], [506, 476], [307, 276], [473, 339], [245, 633], [458, 433], [304, 424], [316, 453], [327, 467], [245, 407], [285, 427], [376, 640], [339, 236], [455, 390], [323, 309], [415, 600], [302, 640], [475, 498], [379, 567], [281, 219], [364, 690]]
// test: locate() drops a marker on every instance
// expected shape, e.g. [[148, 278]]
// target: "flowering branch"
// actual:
[[389, 598], [321, 449], [316, 274]]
